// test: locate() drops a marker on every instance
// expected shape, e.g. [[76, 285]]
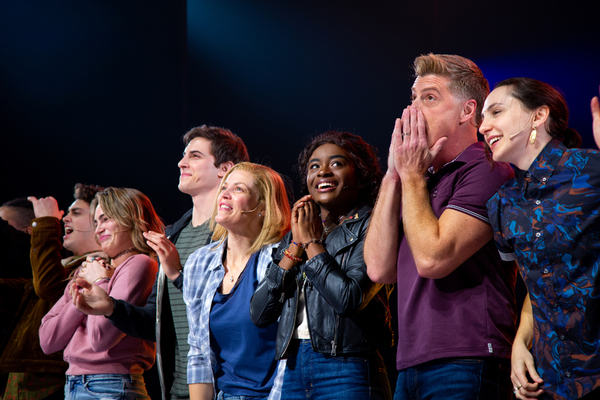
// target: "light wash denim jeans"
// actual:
[[312, 375], [225, 396], [105, 386], [456, 379]]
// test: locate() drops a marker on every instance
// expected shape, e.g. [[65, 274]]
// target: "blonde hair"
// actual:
[[466, 79], [133, 210], [271, 192]]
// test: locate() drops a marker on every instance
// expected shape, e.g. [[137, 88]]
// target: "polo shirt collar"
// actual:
[[471, 152]]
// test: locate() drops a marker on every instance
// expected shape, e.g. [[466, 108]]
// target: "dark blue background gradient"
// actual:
[[102, 91]]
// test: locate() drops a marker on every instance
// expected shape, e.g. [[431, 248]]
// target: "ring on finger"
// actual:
[[519, 386], [405, 133]]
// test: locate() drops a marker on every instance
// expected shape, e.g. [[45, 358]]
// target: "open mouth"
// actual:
[[68, 230], [494, 140], [326, 185]]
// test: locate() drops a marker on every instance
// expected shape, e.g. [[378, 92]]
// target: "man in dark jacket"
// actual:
[[209, 153], [31, 372]]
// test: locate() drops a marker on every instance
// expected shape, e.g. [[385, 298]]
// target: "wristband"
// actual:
[[317, 241], [292, 257]]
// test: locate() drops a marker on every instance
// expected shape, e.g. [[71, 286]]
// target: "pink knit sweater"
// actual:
[[92, 345]]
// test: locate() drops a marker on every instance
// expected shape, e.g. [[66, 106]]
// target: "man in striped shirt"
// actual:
[[209, 153]]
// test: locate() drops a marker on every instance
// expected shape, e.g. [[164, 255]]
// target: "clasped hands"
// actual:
[[306, 221], [94, 269], [410, 153], [307, 228], [85, 294]]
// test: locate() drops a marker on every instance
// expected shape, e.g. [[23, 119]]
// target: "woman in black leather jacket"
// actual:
[[332, 318]]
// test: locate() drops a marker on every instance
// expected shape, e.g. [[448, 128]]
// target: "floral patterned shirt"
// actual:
[[548, 218]]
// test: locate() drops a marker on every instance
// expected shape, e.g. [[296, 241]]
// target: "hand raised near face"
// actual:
[[412, 154], [595, 106], [294, 221], [309, 222], [167, 253], [45, 207]]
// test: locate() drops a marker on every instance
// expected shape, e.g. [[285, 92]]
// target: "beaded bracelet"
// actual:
[[298, 244], [292, 257]]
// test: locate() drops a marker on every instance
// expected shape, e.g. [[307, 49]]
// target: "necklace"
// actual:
[[236, 270], [327, 229], [129, 250]]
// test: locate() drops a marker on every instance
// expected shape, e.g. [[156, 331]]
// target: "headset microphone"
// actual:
[[522, 129], [242, 211]]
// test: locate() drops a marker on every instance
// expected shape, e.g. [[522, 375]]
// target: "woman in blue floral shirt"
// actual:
[[548, 219]]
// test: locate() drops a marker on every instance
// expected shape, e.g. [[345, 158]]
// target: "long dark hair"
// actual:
[[363, 155], [533, 94]]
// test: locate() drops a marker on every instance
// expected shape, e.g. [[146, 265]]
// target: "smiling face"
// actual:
[[331, 178], [198, 173], [506, 127], [113, 238], [237, 201], [441, 109], [79, 233]]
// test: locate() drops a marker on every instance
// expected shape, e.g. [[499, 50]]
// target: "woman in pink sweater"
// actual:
[[103, 361]]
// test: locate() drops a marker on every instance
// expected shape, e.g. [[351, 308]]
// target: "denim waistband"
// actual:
[[91, 377]]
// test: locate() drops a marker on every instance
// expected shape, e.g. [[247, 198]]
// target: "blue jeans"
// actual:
[[105, 386], [312, 375], [225, 396], [456, 379]]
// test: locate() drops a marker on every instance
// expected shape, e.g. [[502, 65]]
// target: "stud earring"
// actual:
[[259, 215], [533, 134]]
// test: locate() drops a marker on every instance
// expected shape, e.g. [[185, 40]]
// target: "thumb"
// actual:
[[437, 146], [83, 283], [533, 372]]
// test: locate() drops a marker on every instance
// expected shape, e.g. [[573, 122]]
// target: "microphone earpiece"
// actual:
[[522, 129], [243, 211]]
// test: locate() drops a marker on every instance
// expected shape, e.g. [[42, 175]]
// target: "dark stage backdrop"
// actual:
[[102, 91]]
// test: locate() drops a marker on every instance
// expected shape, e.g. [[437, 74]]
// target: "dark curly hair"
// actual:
[[86, 192], [362, 154]]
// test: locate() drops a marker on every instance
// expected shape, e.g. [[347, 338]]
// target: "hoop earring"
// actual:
[[533, 134]]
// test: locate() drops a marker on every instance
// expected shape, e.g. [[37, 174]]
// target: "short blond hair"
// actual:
[[466, 79], [271, 192]]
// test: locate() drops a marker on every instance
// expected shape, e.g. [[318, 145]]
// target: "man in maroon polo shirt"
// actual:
[[430, 233]]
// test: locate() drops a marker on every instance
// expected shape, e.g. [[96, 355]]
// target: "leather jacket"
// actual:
[[347, 313]]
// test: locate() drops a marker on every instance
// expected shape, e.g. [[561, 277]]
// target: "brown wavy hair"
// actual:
[[133, 210]]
